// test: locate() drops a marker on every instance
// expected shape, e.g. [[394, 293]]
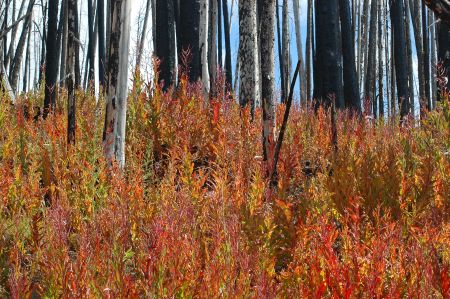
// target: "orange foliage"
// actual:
[[192, 215]]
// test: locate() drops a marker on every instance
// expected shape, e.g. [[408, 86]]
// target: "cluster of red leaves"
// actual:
[[191, 214]]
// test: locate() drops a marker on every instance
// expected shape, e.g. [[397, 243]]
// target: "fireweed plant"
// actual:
[[192, 215]]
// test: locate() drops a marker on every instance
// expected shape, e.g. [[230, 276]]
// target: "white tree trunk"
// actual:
[[117, 87], [204, 17], [122, 90], [298, 36]]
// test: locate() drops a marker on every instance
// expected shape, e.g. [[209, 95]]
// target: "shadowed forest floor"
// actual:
[[193, 216]]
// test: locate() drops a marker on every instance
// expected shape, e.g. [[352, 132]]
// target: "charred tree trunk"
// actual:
[[328, 78], [101, 42], [351, 87], [400, 56], [190, 36], [226, 26], [410, 61], [212, 49], [165, 48], [370, 76], [51, 64], [72, 11], [91, 44], [309, 51], [219, 33]]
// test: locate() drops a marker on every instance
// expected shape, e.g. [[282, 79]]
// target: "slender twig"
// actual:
[[7, 29], [273, 176]]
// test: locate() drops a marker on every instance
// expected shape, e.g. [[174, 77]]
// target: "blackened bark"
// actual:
[[219, 32], [51, 64], [351, 86], [444, 48], [72, 11], [309, 49], [328, 76], [77, 52], [91, 44], [228, 66], [400, 56], [26, 74], [212, 49], [369, 86], [189, 36], [165, 42], [101, 41]]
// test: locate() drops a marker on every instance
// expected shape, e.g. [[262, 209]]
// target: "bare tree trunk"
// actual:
[[363, 53], [268, 74], [286, 42], [17, 62], [140, 48], [228, 67], [380, 59], [27, 61], [410, 60], [165, 45], [393, 77], [5, 37], [219, 33], [431, 25], [298, 36], [400, 57], [91, 45], [327, 68], [4, 79], [51, 64], [10, 57], [62, 69], [416, 17], [203, 45], [280, 53], [370, 76], [72, 11], [426, 58], [101, 42], [309, 48], [247, 52], [212, 47], [351, 88], [43, 43], [117, 74]]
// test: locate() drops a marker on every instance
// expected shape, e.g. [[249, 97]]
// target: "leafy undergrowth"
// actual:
[[193, 216]]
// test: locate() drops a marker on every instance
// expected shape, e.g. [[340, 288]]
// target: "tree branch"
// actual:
[[273, 176], [7, 29], [441, 8]]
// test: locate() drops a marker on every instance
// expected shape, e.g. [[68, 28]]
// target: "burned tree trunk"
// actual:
[[351, 86], [51, 64], [72, 10]]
